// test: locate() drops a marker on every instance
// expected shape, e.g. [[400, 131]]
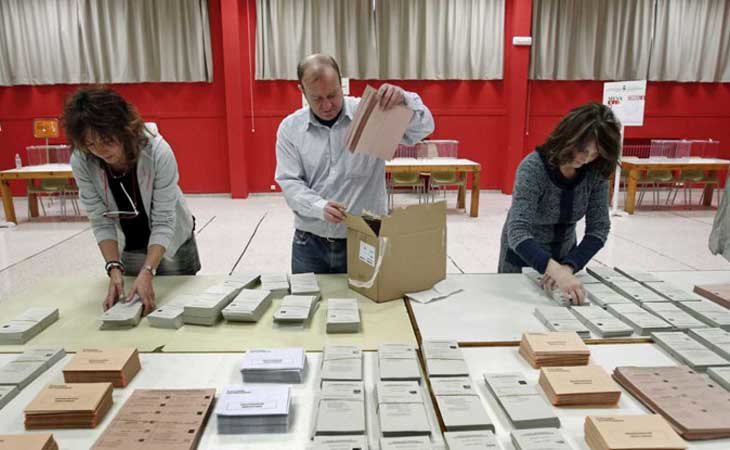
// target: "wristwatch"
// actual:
[[150, 269]]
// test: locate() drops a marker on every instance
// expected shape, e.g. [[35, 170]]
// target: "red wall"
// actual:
[[223, 144]]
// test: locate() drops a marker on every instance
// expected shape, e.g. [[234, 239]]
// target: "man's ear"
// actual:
[[301, 88]]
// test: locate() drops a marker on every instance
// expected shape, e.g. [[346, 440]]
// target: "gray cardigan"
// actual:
[[545, 209], [171, 223], [720, 236]]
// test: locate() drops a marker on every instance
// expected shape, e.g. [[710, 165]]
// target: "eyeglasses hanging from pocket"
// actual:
[[123, 214]]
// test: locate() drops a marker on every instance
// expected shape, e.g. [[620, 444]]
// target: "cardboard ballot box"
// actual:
[[399, 253]]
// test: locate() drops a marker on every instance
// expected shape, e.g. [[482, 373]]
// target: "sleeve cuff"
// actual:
[[580, 255], [318, 208], [533, 254]]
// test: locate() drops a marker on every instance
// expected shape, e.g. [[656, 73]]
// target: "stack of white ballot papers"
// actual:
[[7, 393], [123, 315], [27, 325], [472, 440], [688, 350], [406, 443], [637, 275], [639, 293], [559, 318], [303, 284], [717, 339], [398, 362], [27, 366], [273, 365], [602, 322], [170, 315], [342, 363], [642, 321], [441, 290], [343, 315], [679, 318], [341, 409], [524, 405], [444, 359], [401, 410], [539, 439], [295, 309], [242, 280], [248, 306], [244, 409], [276, 283], [608, 275], [708, 312], [603, 295], [338, 443], [206, 308], [459, 404]]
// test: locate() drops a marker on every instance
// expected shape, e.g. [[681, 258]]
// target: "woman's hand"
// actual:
[[142, 287], [116, 288], [561, 276]]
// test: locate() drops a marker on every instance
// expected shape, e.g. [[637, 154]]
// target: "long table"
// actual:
[[428, 165], [29, 173]]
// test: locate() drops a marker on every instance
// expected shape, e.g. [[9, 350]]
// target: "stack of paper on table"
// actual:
[[674, 294], [398, 362], [405, 443], [401, 409], [637, 432], [607, 275], [695, 406], [248, 306], [27, 325], [717, 339], [520, 400], [559, 318], [554, 349], [673, 314], [472, 440], [170, 315], [688, 350], [80, 405], [343, 315], [374, 130], [92, 365], [721, 375], [579, 385], [206, 308], [169, 419], [708, 312], [441, 290], [444, 359], [338, 443], [539, 439], [7, 393], [123, 315], [459, 404], [602, 323], [273, 365], [718, 293], [25, 368], [341, 409], [639, 293], [276, 283], [342, 363], [603, 295], [639, 275], [243, 280], [43, 441], [243, 409], [303, 284], [642, 321], [295, 309]]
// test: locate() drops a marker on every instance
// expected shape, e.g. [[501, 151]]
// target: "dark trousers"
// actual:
[[312, 253]]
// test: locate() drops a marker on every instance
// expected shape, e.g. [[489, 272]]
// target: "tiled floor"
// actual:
[[255, 234]]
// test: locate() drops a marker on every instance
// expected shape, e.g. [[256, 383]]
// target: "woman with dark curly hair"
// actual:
[[128, 181], [562, 181]]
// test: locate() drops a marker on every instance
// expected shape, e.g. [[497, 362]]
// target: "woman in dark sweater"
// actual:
[[562, 181]]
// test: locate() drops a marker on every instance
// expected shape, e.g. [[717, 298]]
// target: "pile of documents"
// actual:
[[27, 325], [206, 308], [603, 295], [43, 441], [80, 405], [579, 385], [295, 309], [459, 404], [708, 312], [607, 275], [303, 284], [28, 366], [398, 362], [688, 351], [705, 414], [639, 293], [602, 323], [441, 290], [404, 443], [472, 440], [444, 359], [401, 409], [276, 283], [554, 349], [636, 432], [520, 400], [343, 315], [341, 409], [638, 275], [642, 321], [7, 393], [539, 439], [338, 443], [123, 315], [673, 314], [243, 280], [342, 363], [674, 294], [559, 318], [243, 409], [170, 315], [248, 306], [718, 293], [169, 419], [717, 339], [273, 365], [92, 365], [721, 375]]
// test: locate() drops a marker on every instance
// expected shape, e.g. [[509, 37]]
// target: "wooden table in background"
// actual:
[[29, 173], [460, 166]]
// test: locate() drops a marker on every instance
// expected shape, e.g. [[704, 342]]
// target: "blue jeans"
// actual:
[[312, 253]]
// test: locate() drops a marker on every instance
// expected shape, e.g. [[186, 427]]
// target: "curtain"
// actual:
[[104, 41]]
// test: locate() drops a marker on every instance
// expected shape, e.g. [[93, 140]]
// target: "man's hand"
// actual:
[[390, 95], [562, 276], [335, 212], [143, 288], [116, 288]]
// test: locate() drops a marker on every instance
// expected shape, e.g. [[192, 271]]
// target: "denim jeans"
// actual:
[[312, 253]]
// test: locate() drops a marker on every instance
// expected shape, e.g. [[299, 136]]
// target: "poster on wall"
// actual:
[[626, 100]]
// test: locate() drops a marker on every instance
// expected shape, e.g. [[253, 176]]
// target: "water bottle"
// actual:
[[18, 161]]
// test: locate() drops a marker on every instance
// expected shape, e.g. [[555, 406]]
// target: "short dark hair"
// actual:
[[592, 121], [316, 60], [104, 112]]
